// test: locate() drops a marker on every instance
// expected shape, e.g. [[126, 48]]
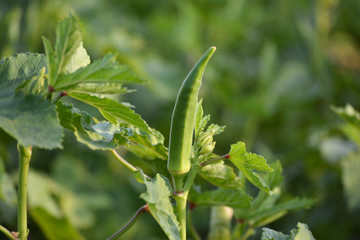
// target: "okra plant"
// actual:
[[34, 112]]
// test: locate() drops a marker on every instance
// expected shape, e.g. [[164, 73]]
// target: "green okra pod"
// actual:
[[183, 120]]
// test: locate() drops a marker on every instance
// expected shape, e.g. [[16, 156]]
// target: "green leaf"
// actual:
[[149, 146], [68, 40], [269, 234], [221, 197], [31, 120], [246, 162], [100, 88], [103, 72], [265, 215], [113, 111], [54, 228], [97, 136], [78, 60], [200, 121], [350, 167], [348, 113], [17, 69], [301, 233], [221, 175], [158, 199]]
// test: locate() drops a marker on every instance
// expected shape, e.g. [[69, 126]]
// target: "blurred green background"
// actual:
[[279, 66]]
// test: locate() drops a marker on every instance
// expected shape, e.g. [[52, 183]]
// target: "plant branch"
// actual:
[[126, 163], [213, 160], [181, 200], [124, 229], [24, 162], [7, 232], [190, 179]]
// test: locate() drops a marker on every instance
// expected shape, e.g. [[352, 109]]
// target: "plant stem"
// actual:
[[181, 199], [190, 179], [130, 223], [214, 160], [191, 227], [6, 232], [24, 162], [220, 223], [126, 163]]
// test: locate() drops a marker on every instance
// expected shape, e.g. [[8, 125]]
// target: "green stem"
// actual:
[[220, 223], [6, 232], [191, 227], [126, 163], [181, 199], [131, 222], [190, 180], [24, 162], [213, 160]]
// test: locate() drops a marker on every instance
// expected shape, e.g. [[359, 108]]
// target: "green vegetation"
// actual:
[[272, 82]]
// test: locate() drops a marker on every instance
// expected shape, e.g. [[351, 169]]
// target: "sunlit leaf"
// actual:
[[113, 111], [17, 69], [301, 233], [100, 136], [246, 162], [158, 199], [104, 71]]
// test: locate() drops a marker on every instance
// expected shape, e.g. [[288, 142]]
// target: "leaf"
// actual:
[[350, 167], [200, 121], [68, 41], [158, 199], [269, 234], [54, 228], [113, 111], [221, 175], [31, 120], [17, 69], [246, 162], [262, 216], [100, 88], [147, 146], [221, 197], [78, 60], [97, 136], [102, 72], [348, 113], [301, 233]]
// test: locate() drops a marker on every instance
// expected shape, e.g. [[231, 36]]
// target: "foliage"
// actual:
[[271, 83]]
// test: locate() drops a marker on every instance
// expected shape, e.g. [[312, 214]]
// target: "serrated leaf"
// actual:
[[269, 234], [221, 197], [348, 113], [350, 167], [113, 111], [200, 120], [246, 162], [158, 199], [68, 40], [79, 59], [104, 71], [301, 233], [221, 175], [31, 120], [260, 215], [97, 136], [17, 69], [147, 145]]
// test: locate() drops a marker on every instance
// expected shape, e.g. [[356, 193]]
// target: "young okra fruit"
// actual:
[[183, 121]]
